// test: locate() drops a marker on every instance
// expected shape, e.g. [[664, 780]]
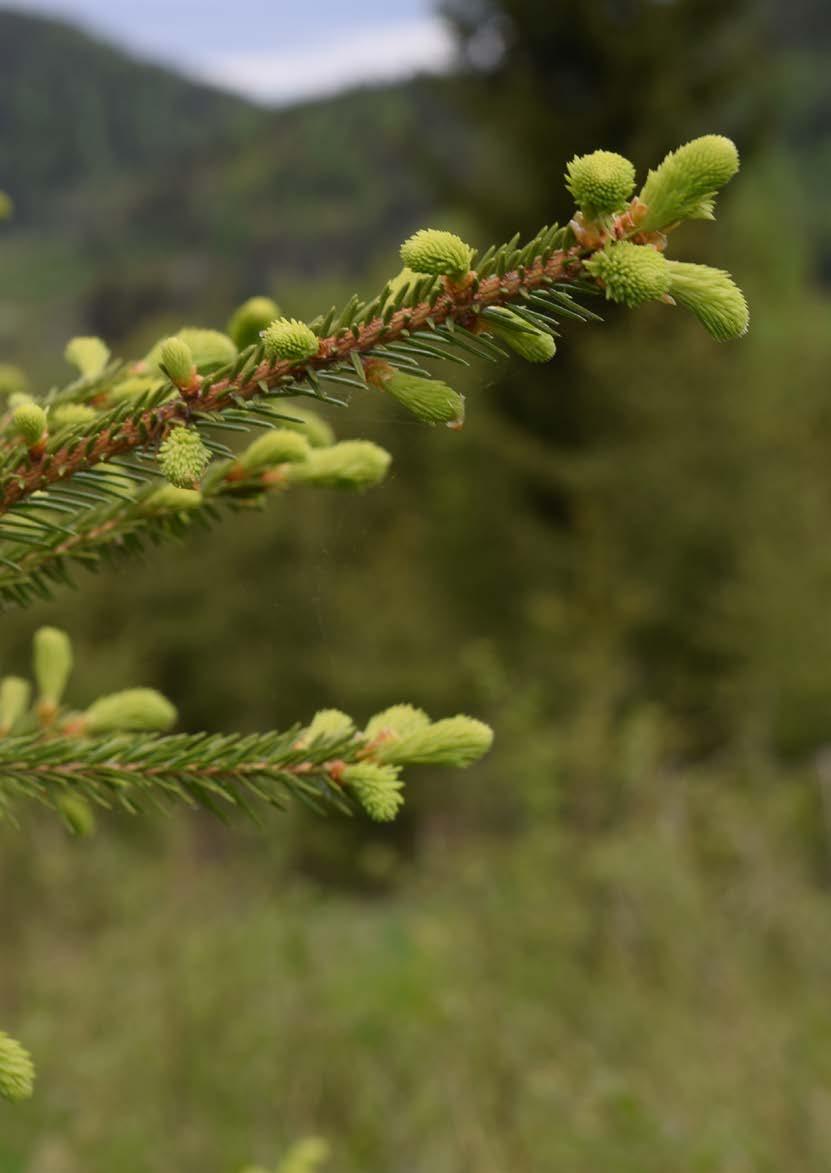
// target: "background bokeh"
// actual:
[[609, 945]]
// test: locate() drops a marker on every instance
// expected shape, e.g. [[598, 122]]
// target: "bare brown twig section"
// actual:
[[459, 305]]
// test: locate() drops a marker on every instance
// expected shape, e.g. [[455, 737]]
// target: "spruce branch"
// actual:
[[77, 482], [134, 773], [119, 751], [340, 770], [444, 305], [132, 512], [449, 307]]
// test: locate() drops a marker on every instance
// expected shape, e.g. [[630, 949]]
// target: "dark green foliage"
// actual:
[[645, 494], [637, 78]]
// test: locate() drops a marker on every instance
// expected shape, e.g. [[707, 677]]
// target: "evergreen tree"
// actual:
[[625, 494], [126, 453]]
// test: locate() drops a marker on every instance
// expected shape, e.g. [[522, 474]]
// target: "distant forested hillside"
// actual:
[[142, 195], [77, 115]]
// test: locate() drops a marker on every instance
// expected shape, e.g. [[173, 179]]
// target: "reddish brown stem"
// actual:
[[460, 306]]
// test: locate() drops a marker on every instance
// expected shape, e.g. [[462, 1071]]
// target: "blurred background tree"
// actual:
[[609, 947], [657, 467]]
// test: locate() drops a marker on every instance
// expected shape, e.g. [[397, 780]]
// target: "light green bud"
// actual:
[[17, 1072], [329, 724], [134, 386], [6, 206], [177, 359], [70, 415], [280, 446], [429, 400], [377, 788], [29, 421], [704, 210], [601, 182], [15, 693], [52, 664], [136, 710], [288, 339], [210, 348], [183, 457], [171, 499], [631, 273], [683, 186], [455, 741], [307, 1156], [252, 317], [396, 721], [440, 253], [713, 297], [12, 380], [77, 814], [405, 278], [527, 341], [316, 430], [352, 464], [87, 355]]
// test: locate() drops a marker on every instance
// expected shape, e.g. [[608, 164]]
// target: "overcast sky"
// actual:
[[269, 49]]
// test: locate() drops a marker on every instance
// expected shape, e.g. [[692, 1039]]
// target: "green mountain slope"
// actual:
[[144, 198], [76, 113]]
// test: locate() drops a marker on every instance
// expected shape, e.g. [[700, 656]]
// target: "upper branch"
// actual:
[[461, 306], [614, 243]]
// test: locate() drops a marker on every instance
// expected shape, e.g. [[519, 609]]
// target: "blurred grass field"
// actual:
[[654, 997]]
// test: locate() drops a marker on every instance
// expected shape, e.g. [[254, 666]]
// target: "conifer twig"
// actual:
[[63, 463], [460, 306]]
